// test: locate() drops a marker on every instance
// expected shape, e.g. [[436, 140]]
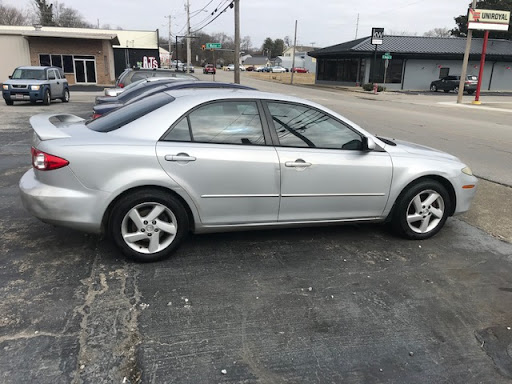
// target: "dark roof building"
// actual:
[[416, 61]]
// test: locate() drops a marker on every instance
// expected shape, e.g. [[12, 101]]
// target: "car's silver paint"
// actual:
[[226, 187]]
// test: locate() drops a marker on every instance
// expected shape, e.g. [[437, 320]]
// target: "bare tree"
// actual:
[[68, 17], [12, 16], [393, 32], [438, 32]]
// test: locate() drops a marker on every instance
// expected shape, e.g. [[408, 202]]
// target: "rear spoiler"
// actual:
[[46, 130]]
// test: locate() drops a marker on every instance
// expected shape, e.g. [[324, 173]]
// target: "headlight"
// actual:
[[5, 86], [35, 87], [467, 171]]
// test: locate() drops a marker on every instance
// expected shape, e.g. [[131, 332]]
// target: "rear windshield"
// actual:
[[29, 74], [472, 78], [131, 112]]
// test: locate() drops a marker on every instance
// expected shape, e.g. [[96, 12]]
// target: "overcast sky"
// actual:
[[322, 22]]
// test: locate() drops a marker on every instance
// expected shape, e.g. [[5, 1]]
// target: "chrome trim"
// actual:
[[332, 194], [236, 196]]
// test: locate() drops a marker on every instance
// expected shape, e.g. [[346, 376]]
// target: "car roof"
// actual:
[[35, 67]]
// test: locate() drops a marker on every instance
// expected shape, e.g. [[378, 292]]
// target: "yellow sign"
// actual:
[[487, 19]]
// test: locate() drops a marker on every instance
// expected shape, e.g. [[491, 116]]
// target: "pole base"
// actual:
[[476, 102]]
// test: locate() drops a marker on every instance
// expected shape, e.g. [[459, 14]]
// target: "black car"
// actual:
[[451, 83], [131, 75], [154, 87]]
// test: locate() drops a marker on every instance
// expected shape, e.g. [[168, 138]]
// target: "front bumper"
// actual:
[[71, 205], [22, 95], [464, 196]]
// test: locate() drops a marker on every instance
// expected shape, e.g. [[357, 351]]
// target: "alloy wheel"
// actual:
[[425, 211]]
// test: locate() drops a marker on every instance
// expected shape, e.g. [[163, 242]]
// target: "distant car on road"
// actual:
[[36, 83], [184, 68], [278, 69], [299, 70], [264, 69], [209, 69], [230, 67], [451, 83], [131, 75]]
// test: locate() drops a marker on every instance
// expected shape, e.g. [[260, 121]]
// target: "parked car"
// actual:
[[36, 84], [250, 68], [186, 67], [131, 75], [221, 160], [451, 83], [264, 69], [160, 86], [278, 69], [209, 69], [117, 90], [299, 70], [230, 67]]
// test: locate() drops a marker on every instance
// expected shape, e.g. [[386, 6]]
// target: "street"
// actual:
[[347, 304]]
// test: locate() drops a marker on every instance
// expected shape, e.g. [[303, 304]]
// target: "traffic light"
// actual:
[[203, 47]]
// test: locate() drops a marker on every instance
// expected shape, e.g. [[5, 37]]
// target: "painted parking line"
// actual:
[[476, 107]]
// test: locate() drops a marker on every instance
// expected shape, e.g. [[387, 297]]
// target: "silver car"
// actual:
[[222, 160]]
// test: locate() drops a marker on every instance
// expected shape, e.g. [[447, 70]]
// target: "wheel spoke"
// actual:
[[137, 220], [155, 212], [437, 212], [154, 243], [170, 228], [433, 197], [133, 237], [424, 224], [417, 204], [414, 218]]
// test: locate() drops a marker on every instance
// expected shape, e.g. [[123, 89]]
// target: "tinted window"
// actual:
[[140, 76], [302, 126], [180, 132], [227, 122], [68, 63], [57, 61], [127, 114], [44, 60]]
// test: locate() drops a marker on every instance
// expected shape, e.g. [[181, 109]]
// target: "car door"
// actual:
[[56, 85], [218, 154], [325, 173]]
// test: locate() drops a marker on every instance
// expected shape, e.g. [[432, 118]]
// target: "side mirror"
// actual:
[[10, 77], [369, 144]]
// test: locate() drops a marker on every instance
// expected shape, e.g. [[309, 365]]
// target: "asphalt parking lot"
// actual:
[[349, 304]]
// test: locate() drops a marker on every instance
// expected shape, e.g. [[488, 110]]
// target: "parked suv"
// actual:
[[451, 83], [131, 75], [36, 83]]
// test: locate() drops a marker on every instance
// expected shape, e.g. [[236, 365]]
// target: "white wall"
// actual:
[[15, 52]]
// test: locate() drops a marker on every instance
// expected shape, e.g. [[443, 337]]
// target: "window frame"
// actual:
[[263, 119], [275, 136]]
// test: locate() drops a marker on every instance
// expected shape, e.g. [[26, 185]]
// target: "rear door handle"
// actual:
[[299, 163], [180, 157]]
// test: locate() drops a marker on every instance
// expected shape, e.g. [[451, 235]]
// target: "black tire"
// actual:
[[433, 88], [405, 207], [446, 91], [9, 102], [47, 99], [65, 98], [471, 92], [119, 222]]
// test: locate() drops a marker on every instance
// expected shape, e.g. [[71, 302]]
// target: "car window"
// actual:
[[302, 126], [223, 122], [472, 78], [131, 112], [51, 74], [29, 74], [140, 76]]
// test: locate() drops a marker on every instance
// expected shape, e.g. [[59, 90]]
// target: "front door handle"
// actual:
[[299, 163], [180, 157]]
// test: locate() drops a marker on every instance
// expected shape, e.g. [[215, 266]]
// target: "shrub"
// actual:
[[369, 87]]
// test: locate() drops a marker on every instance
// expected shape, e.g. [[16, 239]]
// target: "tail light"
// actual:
[[121, 85], [467, 82], [95, 115], [45, 162]]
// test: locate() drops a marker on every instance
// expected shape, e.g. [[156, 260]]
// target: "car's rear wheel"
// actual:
[[9, 102], [433, 88], [65, 97], [46, 97], [471, 92], [148, 225], [421, 210]]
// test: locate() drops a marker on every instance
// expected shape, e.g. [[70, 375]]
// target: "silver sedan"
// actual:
[[222, 160]]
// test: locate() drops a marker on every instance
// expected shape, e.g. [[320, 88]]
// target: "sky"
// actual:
[[320, 23]]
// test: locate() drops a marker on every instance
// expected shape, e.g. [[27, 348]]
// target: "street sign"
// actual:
[[377, 36], [387, 56], [213, 45]]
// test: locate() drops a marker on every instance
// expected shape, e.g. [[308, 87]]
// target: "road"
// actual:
[[351, 304]]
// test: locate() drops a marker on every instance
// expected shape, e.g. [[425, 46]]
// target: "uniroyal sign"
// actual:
[[486, 19]]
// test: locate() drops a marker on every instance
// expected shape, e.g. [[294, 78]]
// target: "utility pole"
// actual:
[[170, 56], [237, 41], [357, 25], [188, 37], [465, 61], [293, 50]]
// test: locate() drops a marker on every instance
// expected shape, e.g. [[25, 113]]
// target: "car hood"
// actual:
[[420, 150], [24, 82]]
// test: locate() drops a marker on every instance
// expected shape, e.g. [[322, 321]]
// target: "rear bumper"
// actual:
[[72, 206]]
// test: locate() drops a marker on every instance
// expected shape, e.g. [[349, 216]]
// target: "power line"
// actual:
[[215, 18]]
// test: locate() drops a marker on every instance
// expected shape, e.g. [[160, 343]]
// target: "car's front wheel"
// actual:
[[148, 225], [46, 97], [9, 102], [421, 210], [433, 88]]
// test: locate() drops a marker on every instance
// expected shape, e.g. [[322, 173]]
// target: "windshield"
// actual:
[[32, 74]]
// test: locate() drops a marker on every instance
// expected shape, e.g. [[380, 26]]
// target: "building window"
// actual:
[[62, 61], [394, 72], [443, 72], [57, 61], [44, 60], [342, 70], [68, 63]]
